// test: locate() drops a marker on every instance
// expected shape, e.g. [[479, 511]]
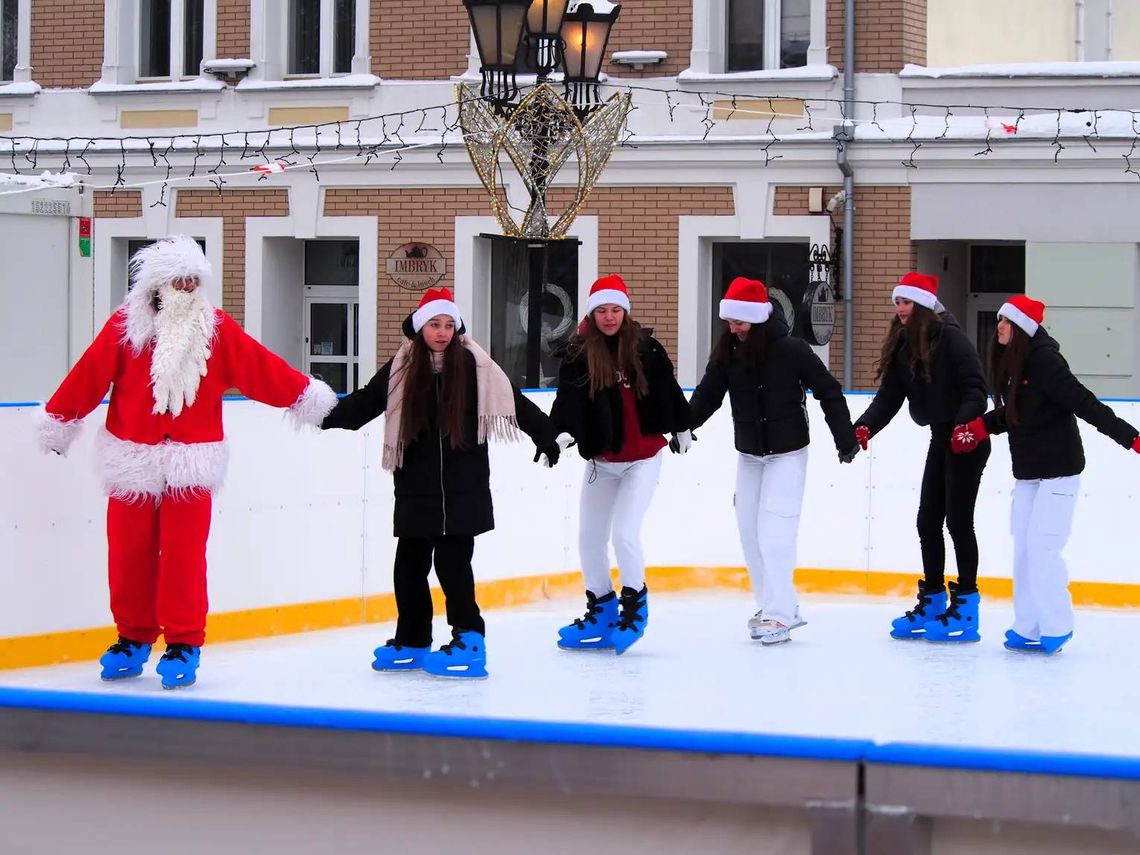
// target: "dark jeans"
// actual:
[[949, 493], [452, 555]]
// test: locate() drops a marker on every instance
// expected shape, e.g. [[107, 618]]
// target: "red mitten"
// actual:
[[1136, 445], [862, 436], [966, 438]]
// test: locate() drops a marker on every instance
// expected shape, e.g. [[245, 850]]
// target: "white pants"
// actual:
[[769, 496], [615, 497], [1040, 520]]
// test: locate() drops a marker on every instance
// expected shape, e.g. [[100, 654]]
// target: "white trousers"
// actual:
[[769, 496], [1040, 519], [615, 497]]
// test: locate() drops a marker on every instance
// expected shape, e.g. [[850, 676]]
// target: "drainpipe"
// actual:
[[845, 135], [1079, 47], [1108, 30]]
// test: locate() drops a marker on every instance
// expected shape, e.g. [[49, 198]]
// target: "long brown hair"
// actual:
[[419, 384], [919, 335], [603, 364], [750, 352], [1007, 370]]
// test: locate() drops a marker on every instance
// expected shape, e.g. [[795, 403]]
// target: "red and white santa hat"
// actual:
[[435, 301], [746, 300], [608, 289], [1024, 311], [919, 288]]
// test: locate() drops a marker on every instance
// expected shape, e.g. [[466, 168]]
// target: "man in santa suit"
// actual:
[[170, 356]]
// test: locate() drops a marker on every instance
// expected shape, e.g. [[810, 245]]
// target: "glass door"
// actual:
[[332, 341]]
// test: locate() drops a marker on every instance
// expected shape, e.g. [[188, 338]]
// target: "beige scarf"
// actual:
[[496, 401]]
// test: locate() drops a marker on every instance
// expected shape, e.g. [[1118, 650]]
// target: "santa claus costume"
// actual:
[[170, 356]]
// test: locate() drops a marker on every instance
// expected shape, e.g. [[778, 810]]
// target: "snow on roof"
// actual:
[[1026, 69], [41, 181]]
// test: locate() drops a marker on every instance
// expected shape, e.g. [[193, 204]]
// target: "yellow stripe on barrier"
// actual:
[[53, 648]]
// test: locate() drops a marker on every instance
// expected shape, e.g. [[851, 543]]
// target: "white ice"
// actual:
[[697, 669]]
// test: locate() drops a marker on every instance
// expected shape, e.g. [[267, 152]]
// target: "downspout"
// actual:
[[845, 135], [1108, 22], [1079, 47]]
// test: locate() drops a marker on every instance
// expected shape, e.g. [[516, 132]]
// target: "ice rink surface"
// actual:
[[697, 669]]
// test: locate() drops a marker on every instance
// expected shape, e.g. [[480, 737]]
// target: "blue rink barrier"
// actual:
[[608, 736]]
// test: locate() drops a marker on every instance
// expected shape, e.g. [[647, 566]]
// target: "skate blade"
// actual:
[[459, 675], [178, 685], [114, 678], [758, 635]]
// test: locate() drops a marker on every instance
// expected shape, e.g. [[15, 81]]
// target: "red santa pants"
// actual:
[[156, 552]]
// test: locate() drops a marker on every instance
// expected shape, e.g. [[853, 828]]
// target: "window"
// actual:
[[782, 267], [171, 38], [767, 34], [9, 33], [310, 53], [332, 312]]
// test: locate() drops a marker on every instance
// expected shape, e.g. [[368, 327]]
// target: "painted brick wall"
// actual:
[[67, 42], [883, 252], [124, 203], [233, 29], [233, 206], [637, 232], [399, 31], [659, 25], [888, 34]]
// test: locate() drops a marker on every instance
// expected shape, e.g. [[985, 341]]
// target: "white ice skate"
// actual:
[[770, 631]]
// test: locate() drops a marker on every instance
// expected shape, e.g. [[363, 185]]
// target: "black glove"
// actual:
[[548, 454], [682, 441], [849, 455]]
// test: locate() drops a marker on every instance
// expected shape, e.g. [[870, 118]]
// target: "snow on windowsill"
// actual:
[[162, 87], [43, 181], [804, 72], [19, 89], [344, 81], [1014, 70]]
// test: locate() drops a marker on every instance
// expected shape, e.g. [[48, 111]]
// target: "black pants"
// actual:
[[949, 493], [413, 596]]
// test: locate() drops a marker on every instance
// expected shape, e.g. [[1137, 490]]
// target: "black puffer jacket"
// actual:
[[1045, 443], [596, 423], [440, 490], [955, 394], [769, 413]]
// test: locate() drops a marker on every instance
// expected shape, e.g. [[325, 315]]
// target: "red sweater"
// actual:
[[634, 445]]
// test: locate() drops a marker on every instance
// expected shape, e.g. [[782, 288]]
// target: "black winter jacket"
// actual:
[[769, 412], [596, 423], [955, 394], [440, 490], [1046, 443]]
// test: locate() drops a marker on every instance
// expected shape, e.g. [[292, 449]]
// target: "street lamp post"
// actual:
[[541, 130]]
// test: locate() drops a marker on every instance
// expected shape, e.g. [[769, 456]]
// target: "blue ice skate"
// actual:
[[1016, 641], [634, 618], [178, 666], [464, 656], [1054, 643], [123, 659], [959, 623], [931, 603], [398, 657], [595, 629]]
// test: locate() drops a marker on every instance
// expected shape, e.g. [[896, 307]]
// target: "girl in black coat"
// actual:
[[616, 397], [1037, 401], [765, 372], [929, 362], [444, 397]]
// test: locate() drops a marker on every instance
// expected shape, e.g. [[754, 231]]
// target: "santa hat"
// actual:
[[919, 288], [435, 301], [1024, 311], [746, 300], [608, 289]]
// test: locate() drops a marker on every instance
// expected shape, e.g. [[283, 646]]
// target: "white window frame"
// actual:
[[710, 37], [22, 71], [335, 295], [270, 42], [121, 41], [177, 39]]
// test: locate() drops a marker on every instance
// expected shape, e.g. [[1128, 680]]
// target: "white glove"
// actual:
[[682, 442]]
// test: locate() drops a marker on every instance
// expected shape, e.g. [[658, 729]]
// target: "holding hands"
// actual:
[[548, 455], [681, 442], [967, 437]]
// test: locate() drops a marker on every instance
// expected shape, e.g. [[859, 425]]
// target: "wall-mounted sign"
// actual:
[[416, 266], [818, 313]]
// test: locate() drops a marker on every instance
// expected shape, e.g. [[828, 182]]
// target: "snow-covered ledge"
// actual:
[[344, 81], [19, 89], [1014, 70], [805, 72], [194, 85], [638, 59]]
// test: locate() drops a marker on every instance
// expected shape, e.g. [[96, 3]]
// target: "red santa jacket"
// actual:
[[143, 453]]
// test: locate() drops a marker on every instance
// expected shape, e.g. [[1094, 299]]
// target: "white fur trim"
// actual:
[[600, 298], [1015, 316], [750, 311], [53, 432], [133, 470], [169, 259], [436, 307], [918, 295], [311, 407]]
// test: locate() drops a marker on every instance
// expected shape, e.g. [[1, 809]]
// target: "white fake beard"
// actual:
[[182, 333]]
